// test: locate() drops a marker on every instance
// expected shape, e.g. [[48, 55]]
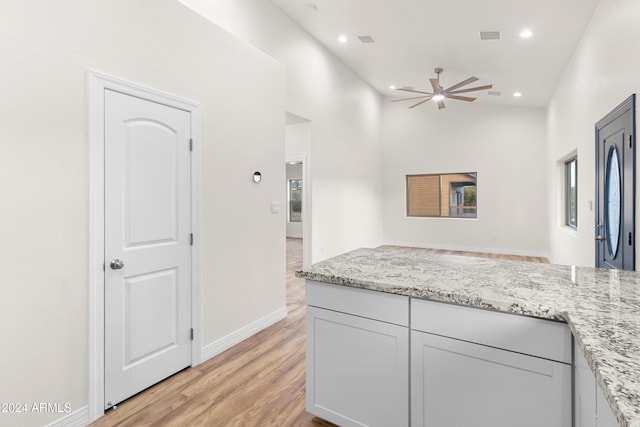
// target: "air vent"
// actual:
[[491, 35], [366, 39], [494, 93]]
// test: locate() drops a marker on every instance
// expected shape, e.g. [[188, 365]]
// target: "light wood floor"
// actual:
[[259, 382], [540, 260]]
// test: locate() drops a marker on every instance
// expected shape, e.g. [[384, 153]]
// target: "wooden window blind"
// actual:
[[423, 195]]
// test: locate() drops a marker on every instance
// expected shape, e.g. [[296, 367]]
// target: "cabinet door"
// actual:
[[585, 412], [357, 370], [459, 384], [584, 390], [605, 414]]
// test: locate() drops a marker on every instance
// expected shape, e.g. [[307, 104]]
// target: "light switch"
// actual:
[[275, 207]]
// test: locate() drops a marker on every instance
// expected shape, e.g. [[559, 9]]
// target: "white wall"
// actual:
[[345, 161], [602, 73], [298, 140], [504, 145], [46, 49]]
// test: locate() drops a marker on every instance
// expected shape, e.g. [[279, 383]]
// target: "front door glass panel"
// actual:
[[614, 201]]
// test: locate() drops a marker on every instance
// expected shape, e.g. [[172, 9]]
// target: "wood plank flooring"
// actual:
[[540, 260], [259, 382]]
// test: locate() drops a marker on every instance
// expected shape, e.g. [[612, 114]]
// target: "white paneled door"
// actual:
[[147, 244]]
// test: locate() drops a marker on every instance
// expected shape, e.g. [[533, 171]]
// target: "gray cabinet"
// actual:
[[584, 399], [379, 359], [603, 410], [357, 356], [482, 368], [590, 406]]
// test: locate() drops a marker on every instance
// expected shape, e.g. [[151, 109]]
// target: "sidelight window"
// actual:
[[571, 192], [295, 200]]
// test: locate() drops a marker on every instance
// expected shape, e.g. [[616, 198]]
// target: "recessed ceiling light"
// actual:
[[392, 86], [342, 38], [438, 97], [517, 94], [525, 34]]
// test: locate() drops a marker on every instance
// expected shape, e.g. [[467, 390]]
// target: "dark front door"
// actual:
[[615, 188]]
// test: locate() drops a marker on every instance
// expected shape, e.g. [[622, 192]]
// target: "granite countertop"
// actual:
[[601, 307]]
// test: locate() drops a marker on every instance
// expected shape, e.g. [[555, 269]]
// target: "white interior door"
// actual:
[[147, 244]]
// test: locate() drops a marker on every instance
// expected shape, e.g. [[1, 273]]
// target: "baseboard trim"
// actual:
[[79, 418], [242, 334], [470, 249]]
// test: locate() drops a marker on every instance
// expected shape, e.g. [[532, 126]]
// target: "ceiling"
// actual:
[[413, 37]]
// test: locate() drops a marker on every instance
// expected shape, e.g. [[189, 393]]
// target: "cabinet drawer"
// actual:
[[527, 335], [360, 302]]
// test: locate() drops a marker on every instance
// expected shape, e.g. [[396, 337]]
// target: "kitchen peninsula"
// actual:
[[568, 317]]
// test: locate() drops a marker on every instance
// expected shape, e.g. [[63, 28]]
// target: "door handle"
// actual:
[[599, 238], [116, 264]]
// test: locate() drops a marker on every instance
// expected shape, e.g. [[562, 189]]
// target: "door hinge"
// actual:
[[629, 238], [191, 145], [630, 141], [104, 268], [191, 239], [191, 334]]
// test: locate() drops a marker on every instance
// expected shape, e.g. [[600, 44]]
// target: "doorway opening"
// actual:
[[298, 182]]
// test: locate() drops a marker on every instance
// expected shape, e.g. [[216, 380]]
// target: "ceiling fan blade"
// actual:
[[414, 91], [436, 85], [414, 97], [469, 90], [462, 83], [461, 98], [420, 103], [440, 105]]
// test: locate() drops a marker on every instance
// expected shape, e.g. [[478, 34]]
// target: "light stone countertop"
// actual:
[[601, 307]]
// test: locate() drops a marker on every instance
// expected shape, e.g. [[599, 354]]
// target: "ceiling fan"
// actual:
[[439, 93]]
